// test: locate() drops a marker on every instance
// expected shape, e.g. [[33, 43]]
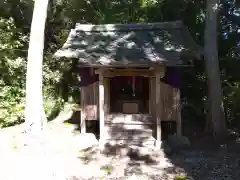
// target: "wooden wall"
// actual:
[[89, 101], [170, 100]]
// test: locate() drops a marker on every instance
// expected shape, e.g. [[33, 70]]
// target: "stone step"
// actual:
[[120, 126], [143, 133], [130, 142], [150, 141], [129, 118], [128, 134]]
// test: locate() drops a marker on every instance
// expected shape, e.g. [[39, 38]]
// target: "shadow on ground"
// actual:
[[202, 160], [74, 120], [91, 126]]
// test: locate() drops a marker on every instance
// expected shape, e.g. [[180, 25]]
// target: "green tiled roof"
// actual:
[[130, 44]]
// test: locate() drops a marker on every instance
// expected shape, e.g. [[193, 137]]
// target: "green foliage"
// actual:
[[13, 43], [12, 68]]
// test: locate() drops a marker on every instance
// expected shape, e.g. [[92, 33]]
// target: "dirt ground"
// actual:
[[201, 165], [58, 157]]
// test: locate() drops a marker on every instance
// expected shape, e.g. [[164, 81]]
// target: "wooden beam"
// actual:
[[130, 70], [100, 71], [158, 69], [101, 110], [147, 72], [128, 73]]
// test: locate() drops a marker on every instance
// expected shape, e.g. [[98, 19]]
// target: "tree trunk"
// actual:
[[35, 118], [212, 70]]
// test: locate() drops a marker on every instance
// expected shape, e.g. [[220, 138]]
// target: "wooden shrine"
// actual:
[[127, 73]]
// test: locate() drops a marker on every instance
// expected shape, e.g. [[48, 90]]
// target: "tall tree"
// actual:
[[34, 113], [212, 70]]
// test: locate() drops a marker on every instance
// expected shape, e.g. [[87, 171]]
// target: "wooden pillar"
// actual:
[[101, 110], [106, 96], [153, 96], [150, 96], [158, 111], [178, 109], [83, 113]]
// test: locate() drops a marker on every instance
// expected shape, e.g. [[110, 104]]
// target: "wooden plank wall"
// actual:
[[169, 99], [170, 103], [89, 100]]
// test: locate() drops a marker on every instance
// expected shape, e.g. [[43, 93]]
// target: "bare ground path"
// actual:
[[58, 157]]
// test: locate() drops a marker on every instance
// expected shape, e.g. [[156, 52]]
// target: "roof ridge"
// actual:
[[127, 27]]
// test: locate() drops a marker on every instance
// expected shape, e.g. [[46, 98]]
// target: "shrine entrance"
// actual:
[[129, 94]]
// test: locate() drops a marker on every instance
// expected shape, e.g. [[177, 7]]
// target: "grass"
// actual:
[[107, 168], [67, 124], [14, 146], [181, 178], [76, 132]]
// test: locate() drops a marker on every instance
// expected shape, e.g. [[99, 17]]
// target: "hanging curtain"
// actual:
[[87, 76], [172, 77]]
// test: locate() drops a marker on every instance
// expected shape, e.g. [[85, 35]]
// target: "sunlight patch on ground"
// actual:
[[58, 155]]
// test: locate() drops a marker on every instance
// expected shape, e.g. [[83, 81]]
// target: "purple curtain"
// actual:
[[172, 77], [87, 77]]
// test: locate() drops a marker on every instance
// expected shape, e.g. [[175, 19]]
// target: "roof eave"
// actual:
[[128, 27]]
